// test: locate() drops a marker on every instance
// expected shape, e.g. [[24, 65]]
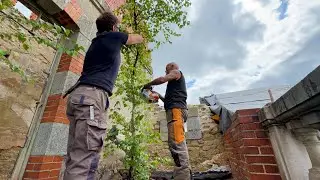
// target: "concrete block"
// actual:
[[193, 123], [311, 118], [63, 81], [193, 111], [163, 130], [291, 155], [192, 126], [162, 115], [83, 41], [51, 139], [307, 88], [194, 134], [90, 10], [53, 6], [85, 24]]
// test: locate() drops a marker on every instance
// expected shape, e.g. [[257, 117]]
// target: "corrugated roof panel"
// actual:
[[247, 99]]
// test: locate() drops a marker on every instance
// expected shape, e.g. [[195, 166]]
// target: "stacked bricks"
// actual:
[[71, 63], [55, 110], [46, 167], [71, 13], [252, 156], [114, 4], [33, 16]]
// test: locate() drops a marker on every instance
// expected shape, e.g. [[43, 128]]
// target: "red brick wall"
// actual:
[[69, 63], [33, 16], [252, 156], [55, 110], [114, 4], [43, 167], [70, 14]]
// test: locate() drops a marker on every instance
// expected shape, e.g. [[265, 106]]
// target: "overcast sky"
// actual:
[[235, 45]]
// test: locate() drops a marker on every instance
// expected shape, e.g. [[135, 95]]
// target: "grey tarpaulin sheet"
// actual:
[[217, 108]]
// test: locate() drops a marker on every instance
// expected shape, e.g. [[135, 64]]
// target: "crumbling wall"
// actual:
[[18, 99], [206, 149]]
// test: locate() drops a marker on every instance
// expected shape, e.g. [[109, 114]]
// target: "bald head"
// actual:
[[171, 66]]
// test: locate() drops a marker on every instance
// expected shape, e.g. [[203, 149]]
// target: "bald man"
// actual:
[[175, 104]]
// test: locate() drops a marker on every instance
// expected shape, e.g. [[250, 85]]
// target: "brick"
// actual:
[[29, 166], [69, 63], [256, 168], [247, 112], [248, 134], [266, 150], [271, 168], [264, 177], [248, 119], [256, 142], [251, 126], [260, 159], [36, 175], [54, 173], [249, 150], [40, 159], [261, 134], [51, 178], [47, 166]]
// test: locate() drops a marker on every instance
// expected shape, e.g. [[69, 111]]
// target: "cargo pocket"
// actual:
[[86, 109], [95, 138]]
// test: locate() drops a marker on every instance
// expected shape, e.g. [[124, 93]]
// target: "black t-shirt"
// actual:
[[102, 60], [176, 94]]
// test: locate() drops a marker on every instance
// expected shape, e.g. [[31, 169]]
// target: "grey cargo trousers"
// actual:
[[86, 111], [177, 143]]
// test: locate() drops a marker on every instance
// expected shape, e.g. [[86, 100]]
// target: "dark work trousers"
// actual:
[[86, 111]]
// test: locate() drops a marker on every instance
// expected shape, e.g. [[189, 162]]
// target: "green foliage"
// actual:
[[33, 31], [133, 135]]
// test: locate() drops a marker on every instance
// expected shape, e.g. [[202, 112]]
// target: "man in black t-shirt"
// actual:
[[175, 104], [88, 100]]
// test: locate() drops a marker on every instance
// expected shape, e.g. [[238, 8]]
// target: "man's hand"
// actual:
[[160, 96], [147, 86]]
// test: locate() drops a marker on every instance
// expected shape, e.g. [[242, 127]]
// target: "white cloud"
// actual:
[[281, 39]]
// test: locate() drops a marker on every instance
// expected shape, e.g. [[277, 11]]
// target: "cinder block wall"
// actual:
[[251, 152]]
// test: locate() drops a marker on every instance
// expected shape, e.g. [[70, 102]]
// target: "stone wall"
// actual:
[[205, 143], [18, 99]]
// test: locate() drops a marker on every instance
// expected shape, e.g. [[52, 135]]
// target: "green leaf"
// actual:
[[3, 52], [25, 46], [22, 37]]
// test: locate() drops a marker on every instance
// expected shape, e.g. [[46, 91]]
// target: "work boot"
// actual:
[[182, 173]]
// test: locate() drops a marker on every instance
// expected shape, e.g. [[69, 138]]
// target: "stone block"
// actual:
[[52, 7], [84, 41], [163, 130], [162, 115], [194, 134], [63, 81], [87, 26], [193, 112], [51, 139]]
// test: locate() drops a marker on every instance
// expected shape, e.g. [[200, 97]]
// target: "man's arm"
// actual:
[[134, 39], [173, 75]]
